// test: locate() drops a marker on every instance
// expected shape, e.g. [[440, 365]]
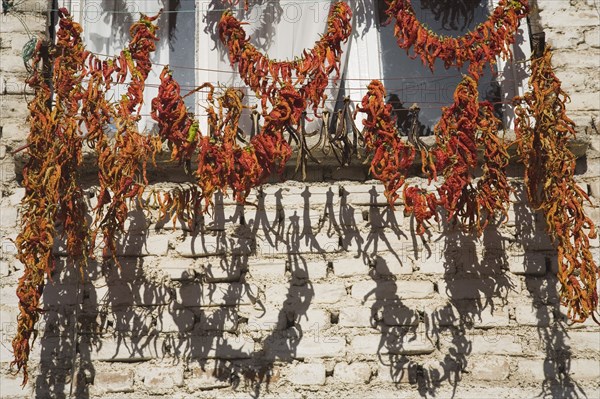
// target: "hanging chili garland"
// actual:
[[543, 130], [122, 165], [392, 156], [480, 46], [463, 126], [266, 77], [52, 194]]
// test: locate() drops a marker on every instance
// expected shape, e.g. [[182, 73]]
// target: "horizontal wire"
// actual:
[[205, 7], [233, 71], [334, 101]]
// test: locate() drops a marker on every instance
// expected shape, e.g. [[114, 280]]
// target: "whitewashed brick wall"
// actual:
[[321, 290]]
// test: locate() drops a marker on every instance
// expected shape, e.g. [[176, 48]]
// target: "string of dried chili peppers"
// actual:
[[122, 165], [421, 204], [392, 157], [487, 41], [52, 194], [543, 130], [493, 190], [456, 154], [266, 77], [38, 209], [175, 123]]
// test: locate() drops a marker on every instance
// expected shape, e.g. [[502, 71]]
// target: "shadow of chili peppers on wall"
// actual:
[[541, 283]]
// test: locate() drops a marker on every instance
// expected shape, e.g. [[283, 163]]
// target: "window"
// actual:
[[408, 81], [282, 29]]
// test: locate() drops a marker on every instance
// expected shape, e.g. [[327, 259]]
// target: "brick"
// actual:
[[390, 344], [392, 373], [222, 346], [8, 216], [265, 319], [488, 318], [113, 381], [529, 315], [8, 295], [10, 387], [364, 195], [389, 265], [431, 264], [179, 268], [564, 60], [319, 345], [560, 39], [592, 37], [123, 321], [320, 243], [209, 378], [356, 316], [585, 369], [585, 101], [140, 245], [569, 18], [496, 344], [462, 289], [313, 319], [216, 319], [542, 290], [535, 369], [584, 341], [277, 294], [10, 24], [545, 369], [133, 293], [322, 293], [209, 245], [490, 368], [13, 131], [226, 269], [444, 316], [266, 269], [127, 348], [355, 373], [312, 271], [384, 289], [17, 195], [223, 294], [11, 62], [60, 294], [397, 315], [532, 264], [162, 379], [307, 374], [13, 107], [176, 320], [350, 267], [7, 169]]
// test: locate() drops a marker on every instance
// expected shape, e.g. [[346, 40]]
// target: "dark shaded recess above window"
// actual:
[[409, 82], [172, 5], [453, 14]]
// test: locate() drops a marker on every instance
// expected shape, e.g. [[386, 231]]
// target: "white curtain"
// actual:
[[281, 29], [106, 26]]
